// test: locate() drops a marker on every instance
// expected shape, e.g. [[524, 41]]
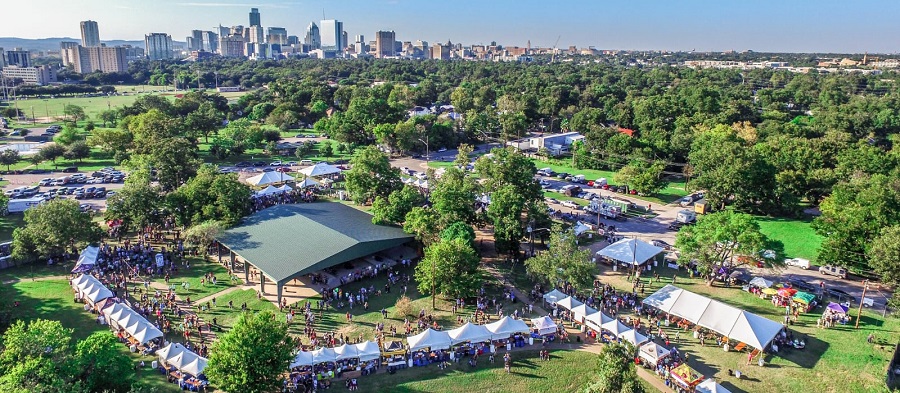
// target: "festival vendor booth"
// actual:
[[805, 300], [633, 253], [91, 291], [269, 190], [267, 178], [554, 296], [568, 303], [87, 259], [303, 358], [429, 347], [686, 377], [653, 353], [632, 336], [320, 169], [784, 296], [595, 321], [543, 327], [394, 354], [469, 339], [757, 285], [307, 183], [581, 312], [183, 366], [509, 331], [614, 327], [124, 319], [710, 386], [835, 313]]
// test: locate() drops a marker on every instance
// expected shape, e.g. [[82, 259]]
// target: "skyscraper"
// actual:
[[254, 17], [17, 57], [256, 35], [332, 36], [360, 44], [384, 44], [210, 41], [90, 34], [232, 46], [197, 40], [277, 35], [313, 39], [97, 58], [158, 46]]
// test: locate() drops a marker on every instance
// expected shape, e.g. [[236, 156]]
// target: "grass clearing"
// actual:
[[798, 237], [674, 191], [199, 268], [8, 223]]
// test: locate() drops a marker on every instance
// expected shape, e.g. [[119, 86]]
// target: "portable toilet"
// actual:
[[701, 207]]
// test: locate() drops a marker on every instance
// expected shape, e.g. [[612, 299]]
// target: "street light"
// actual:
[[531, 231], [427, 154]]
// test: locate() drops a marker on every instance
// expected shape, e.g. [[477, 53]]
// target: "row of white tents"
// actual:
[[435, 339], [363, 351], [183, 359], [274, 177], [719, 317], [91, 289], [120, 316]]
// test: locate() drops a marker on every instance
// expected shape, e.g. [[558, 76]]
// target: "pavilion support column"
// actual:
[[232, 261], [219, 251], [262, 283], [246, 272], [280, 286]]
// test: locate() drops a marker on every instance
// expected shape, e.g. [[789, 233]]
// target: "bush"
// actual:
[[403, 307]]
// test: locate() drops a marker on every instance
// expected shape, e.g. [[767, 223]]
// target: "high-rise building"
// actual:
[[223, 31], [189, 43], [293, 40], [232, 46], [90, 34], [332, 36], [277, 35], [440, 52], [210, 41], [313, 39], [360, 44], [384, 44], [197, 40], [158, 46], [344, 39], [256, 35], [236, 30], [40, 75], [97, 58], [254, 17], [64, 53], [17, 57]]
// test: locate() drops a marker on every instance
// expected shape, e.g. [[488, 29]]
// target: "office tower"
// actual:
[[158, 46], [332, 36], [189, 43], [254, 17], [231, 46], [344, 40], [97, 58], [360, 44], [313, 39], [222, 31], [256, 35], [293, 40], [384, 44], [210, 41], [196, 42], [277, 35], [17, 57], [40, 75], [440, 52], [90, 34]]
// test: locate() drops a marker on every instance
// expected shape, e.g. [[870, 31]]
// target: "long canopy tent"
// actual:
[[320, 169], [292, 240], [506, 327], [91, 289], [633, 336], [87, 259], [120, 316], [653, 352], [176, 355], [324, 355], [544, 325], [368, 350], [269, 190], [469, 333], [568, 303], [596, 320], [346, 351], [710, 386], [306, 183], [266, 178], [554, 296], [582, 311], [615, 327], [630, 251], [726, 320], [303, 358], [430, 338]]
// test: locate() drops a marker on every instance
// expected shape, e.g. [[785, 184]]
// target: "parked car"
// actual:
[[661, 244], [243, 164], [562, 175], [833, 271], [47, 181], [71, 169], [283, 169], [571, 205], [840, 295], [275, 163], [798, 262], [441, 150]]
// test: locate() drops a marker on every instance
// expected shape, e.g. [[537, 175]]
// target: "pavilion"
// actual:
[[285, 242]]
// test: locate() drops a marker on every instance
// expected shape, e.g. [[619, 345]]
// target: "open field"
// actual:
[[195, 290], [798, 237], [672, 193], [8, 223]]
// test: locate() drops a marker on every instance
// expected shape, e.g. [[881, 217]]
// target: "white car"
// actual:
[[441, 150], [798, 262], [275, 163], [571, 205]]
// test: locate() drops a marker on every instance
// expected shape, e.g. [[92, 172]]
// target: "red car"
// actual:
[[283, 169]]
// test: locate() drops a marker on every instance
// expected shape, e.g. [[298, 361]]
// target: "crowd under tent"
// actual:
[[307, 183], [630, 251], [269, 190], [324, 355], [653, 352], [469, 333], [506, 327], [186, 361], [430, 338], [569, 303], [721, 318], [121, 316], [320, 169], [633, 336], [710, 386], [266, 178], [554, 296], [87, 259], [346, 351], [544, 325]]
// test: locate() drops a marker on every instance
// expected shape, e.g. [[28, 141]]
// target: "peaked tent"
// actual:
[[569, 303], [615, 327], [583, 311], [269, 190], [580, 228], [87, 259], [320, 169], [267, 178], [710, 386], [554, 296], [429, 339], [664, 298], [653, 352], [285, 188], [170, 351], [506, 327], [91, 288], [469, 333], [195, 367], [346, 351], [633, 337], [306, 183], [596, 320], [755, 330], [303, 358], [368, 351], [544, 325], [324, 355], [760, 282], [630, 251]]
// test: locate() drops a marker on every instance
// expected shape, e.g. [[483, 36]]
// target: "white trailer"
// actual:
[[20, 205]]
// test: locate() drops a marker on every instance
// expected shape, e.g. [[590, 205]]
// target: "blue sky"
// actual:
[[760, 25]]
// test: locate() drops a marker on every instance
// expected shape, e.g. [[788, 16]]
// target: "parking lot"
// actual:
[[90, 190]]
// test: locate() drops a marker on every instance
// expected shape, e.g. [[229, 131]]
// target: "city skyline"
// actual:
[[770, 26]]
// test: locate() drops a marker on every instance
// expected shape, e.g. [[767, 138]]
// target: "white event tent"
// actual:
[[569, 303], [176, 355], [630, 251], [554, 296], [306, 183], [121, 316], [430, 338], [596, 320], [633, 337], [653, 352], [469, 333], [506, 327], [91, 289], [582, 311], [580, 228], [368, 350], [760, 282], [346, 351], [267, 178], [324, 355], [320, 169], [269, 190], [544, 325], [87, 259], [303, 358], [710, 386], [615, 327], [726, 320]]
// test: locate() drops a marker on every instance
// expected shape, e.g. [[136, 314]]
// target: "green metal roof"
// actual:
[[289, 241]]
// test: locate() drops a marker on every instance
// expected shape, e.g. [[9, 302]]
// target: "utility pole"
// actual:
[[859, 311]]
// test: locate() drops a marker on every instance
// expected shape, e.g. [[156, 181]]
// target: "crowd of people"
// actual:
[[260, 202]]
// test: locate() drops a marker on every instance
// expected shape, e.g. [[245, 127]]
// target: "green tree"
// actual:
[[52, 152], [108, 117], [203, 234], [371, 175], [111, 140], [252, 356], [102, 366], [304, 149], [138, 202], [74, 111], [78, 150], [50, 228], [67, 136], [451, 266], [393, 209], [326, 148], [423, 222], [505, 211], [563, 262], [459, 230], [205, 120], [453, 196], [884, 255], [9, 157], [37, 356], [616, 371], [643, 177], [210, 196], [718, 239]]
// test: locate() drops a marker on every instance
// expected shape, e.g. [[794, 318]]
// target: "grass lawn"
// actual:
[[800, 240], [192, 277], [834, 360], [260, 155], [674, 191], [8, 223]]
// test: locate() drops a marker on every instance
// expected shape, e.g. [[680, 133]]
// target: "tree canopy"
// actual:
[[719, 239], [51, 228], [251, 357], [452, 266], [371, 176]]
